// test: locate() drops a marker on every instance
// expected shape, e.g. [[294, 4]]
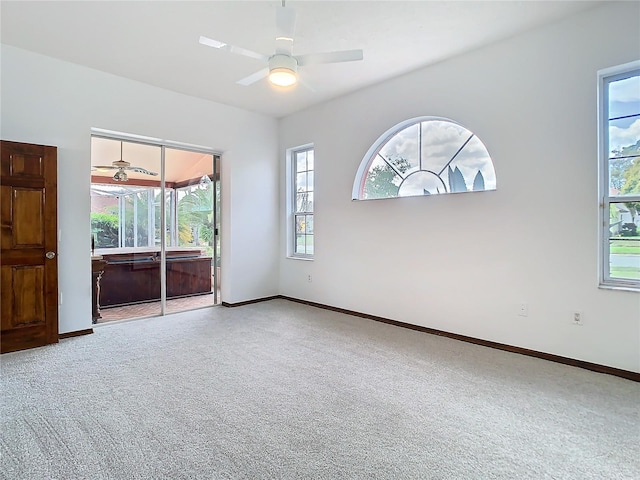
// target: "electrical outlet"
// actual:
[[309, 278], [577, 318], [524, 310]]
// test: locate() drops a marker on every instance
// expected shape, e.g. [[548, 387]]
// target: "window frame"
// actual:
[[153, 220], [605, 198], [374, 150], [292, 156]]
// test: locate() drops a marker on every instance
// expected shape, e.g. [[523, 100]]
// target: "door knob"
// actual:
[[50, 255]]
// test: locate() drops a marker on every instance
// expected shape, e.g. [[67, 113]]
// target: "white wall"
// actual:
[[47, 101], [463, 263]]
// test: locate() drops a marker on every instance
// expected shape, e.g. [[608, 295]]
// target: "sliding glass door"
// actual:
[[154, 227], [192, 229], [124, 226]]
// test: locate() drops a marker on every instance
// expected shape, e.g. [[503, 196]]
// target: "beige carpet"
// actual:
[[283, 390]]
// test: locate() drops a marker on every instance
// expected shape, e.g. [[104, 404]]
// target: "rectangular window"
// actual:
[[302, 202], [619, 97]]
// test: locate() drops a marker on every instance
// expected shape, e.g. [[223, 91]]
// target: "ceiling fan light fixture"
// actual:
[[283, 70], [120, 176], [283, 77]]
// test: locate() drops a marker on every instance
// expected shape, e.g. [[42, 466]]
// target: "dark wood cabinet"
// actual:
[[135, 277]]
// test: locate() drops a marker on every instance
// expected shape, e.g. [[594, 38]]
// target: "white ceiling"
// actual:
[[156, 42]]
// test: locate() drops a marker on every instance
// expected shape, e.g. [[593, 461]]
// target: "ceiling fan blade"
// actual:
[[103, 168], [141, 170], [329, 57], [285, 29], [232, 49], [254, 77]]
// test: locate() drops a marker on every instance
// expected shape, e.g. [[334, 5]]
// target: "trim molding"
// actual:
[[256, 300], [77, 333], [629, 375]]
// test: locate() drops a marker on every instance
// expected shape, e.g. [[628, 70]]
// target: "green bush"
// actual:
[[104, 227]]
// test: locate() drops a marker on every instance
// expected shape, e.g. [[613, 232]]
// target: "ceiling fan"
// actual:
[[282, 66], [121, 166]]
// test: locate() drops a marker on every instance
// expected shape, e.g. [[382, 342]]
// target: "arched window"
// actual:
[[424, 156]]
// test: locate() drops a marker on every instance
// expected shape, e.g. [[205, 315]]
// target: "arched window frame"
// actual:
[[381, 142]]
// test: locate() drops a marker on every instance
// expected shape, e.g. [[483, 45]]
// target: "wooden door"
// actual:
[[28, 243]]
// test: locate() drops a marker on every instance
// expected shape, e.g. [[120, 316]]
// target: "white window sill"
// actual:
[[296, 257], [623, 288]]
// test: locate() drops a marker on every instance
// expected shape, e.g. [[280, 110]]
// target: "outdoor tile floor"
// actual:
[[153, 308]]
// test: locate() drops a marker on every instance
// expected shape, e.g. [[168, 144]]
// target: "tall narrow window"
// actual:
[[302, 191], [620, 175]]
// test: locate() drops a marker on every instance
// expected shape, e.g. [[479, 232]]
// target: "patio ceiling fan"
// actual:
[[122, 166], [282, 66]]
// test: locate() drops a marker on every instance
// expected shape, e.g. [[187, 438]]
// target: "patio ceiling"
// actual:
[[180, 165]]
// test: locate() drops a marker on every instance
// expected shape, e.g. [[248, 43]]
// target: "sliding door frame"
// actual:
[[216, 167]]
